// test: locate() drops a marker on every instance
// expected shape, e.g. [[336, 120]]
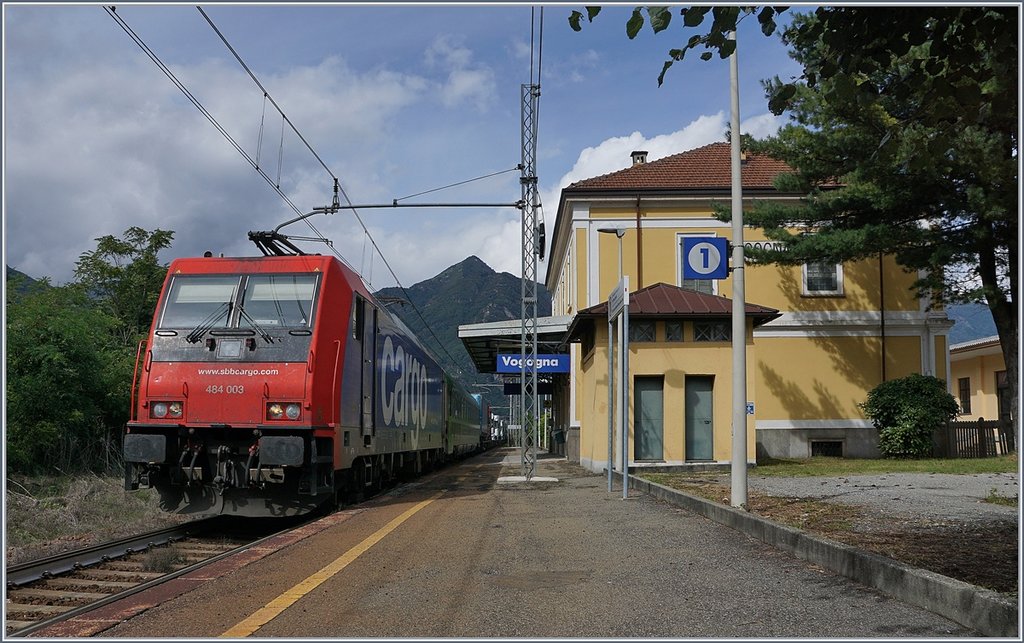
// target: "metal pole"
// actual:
[[611, 402], [624, 341], [620, 424], [528, 336], [739, 323]]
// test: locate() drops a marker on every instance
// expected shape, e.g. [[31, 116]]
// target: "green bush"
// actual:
[[907, 411]]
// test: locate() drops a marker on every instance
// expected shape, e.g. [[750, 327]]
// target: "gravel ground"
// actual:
[[935, 496]]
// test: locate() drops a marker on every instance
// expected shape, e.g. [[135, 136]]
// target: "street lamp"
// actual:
[[621, 385]]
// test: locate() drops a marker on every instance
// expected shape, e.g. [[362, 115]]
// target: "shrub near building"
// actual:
[[907, 411]]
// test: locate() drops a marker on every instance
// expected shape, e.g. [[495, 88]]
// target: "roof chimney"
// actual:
[[640, 156]]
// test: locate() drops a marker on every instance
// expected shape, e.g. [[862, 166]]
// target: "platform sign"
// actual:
[[618, 298], [705, 258], [513, 363]]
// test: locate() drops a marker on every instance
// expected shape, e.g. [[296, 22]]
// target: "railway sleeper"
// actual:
[[67, 583], [53, 596]]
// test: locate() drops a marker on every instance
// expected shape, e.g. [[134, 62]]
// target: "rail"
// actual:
[[22, 578]]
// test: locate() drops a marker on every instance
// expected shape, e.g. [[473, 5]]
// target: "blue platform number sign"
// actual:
[[705, 258]]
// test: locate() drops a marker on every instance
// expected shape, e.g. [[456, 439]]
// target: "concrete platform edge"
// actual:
[[983, 610]]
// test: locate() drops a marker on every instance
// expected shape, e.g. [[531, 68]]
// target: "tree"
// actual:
[[66, 381], [71, 352], [126, 276], [904, 139]]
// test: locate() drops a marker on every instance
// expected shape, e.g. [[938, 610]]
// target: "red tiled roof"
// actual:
[[662, 300], [705, 168]]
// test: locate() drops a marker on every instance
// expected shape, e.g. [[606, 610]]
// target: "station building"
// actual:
[[978, 379], [819, 337]]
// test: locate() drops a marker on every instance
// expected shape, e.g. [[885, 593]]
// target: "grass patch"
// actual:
[[162, 559], [49, 515], [825, 518], [822, 466], [996, 498]]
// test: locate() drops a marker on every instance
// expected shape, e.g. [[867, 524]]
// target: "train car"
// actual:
[[269, 386]]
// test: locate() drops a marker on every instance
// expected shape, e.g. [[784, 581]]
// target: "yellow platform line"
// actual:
[[265, 614]]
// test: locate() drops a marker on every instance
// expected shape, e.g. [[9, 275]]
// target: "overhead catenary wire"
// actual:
[[337, 184], [112, 12], [265, 92], [452, 185]]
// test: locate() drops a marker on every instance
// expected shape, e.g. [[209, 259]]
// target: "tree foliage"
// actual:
[[125, 276], [66, 381], [71, 352], [907, 411]]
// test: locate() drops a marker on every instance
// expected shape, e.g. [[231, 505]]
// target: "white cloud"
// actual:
[[467, 82], [100, 148], [762, 126], [474, 86]]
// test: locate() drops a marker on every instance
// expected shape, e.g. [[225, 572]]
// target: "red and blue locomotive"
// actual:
[[271, 385]]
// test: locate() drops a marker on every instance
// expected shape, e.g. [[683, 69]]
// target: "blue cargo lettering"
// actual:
[[403, 398]]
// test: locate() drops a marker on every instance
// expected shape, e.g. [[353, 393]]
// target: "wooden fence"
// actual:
[[974, 439]]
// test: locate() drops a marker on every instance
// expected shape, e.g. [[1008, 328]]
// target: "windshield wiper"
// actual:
[[252, 322], [207, 323]]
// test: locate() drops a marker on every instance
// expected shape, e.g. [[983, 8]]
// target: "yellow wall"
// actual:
[[656, 358], [817, 364], [777, 287], [833, 376], [981, 369]]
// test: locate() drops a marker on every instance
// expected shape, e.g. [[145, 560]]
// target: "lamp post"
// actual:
[[619, 233]]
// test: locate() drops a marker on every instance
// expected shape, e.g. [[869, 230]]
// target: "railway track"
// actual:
[[49, 590]]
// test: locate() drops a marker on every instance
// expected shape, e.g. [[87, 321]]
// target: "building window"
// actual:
[[673, 331], [964, 384], [823, 279], [641, 331], [826, 448], [716, 331]]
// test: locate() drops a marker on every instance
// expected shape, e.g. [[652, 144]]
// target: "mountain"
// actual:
[[470, 292], [973, 321], [20, 282]]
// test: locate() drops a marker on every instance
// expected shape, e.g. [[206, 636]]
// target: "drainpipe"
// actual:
[[881, 307], [639, 248]]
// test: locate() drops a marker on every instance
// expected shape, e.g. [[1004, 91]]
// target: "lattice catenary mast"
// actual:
[[528, 402]]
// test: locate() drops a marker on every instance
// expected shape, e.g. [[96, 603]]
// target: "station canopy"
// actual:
[[484, 342]]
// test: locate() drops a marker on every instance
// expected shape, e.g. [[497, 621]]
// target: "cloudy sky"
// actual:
[[396, 101]]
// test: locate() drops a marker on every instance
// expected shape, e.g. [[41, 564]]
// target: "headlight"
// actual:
[[161, 410], [283, 411]]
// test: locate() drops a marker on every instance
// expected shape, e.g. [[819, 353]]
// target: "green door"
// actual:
[[649, 423], [699, 418]]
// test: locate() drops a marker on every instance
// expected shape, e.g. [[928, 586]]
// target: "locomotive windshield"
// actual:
[[282, 301], [194, 300]]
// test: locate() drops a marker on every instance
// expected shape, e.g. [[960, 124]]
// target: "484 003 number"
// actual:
[[230, 389]]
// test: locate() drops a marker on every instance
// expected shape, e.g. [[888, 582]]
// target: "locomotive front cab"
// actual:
[[224, 420]]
